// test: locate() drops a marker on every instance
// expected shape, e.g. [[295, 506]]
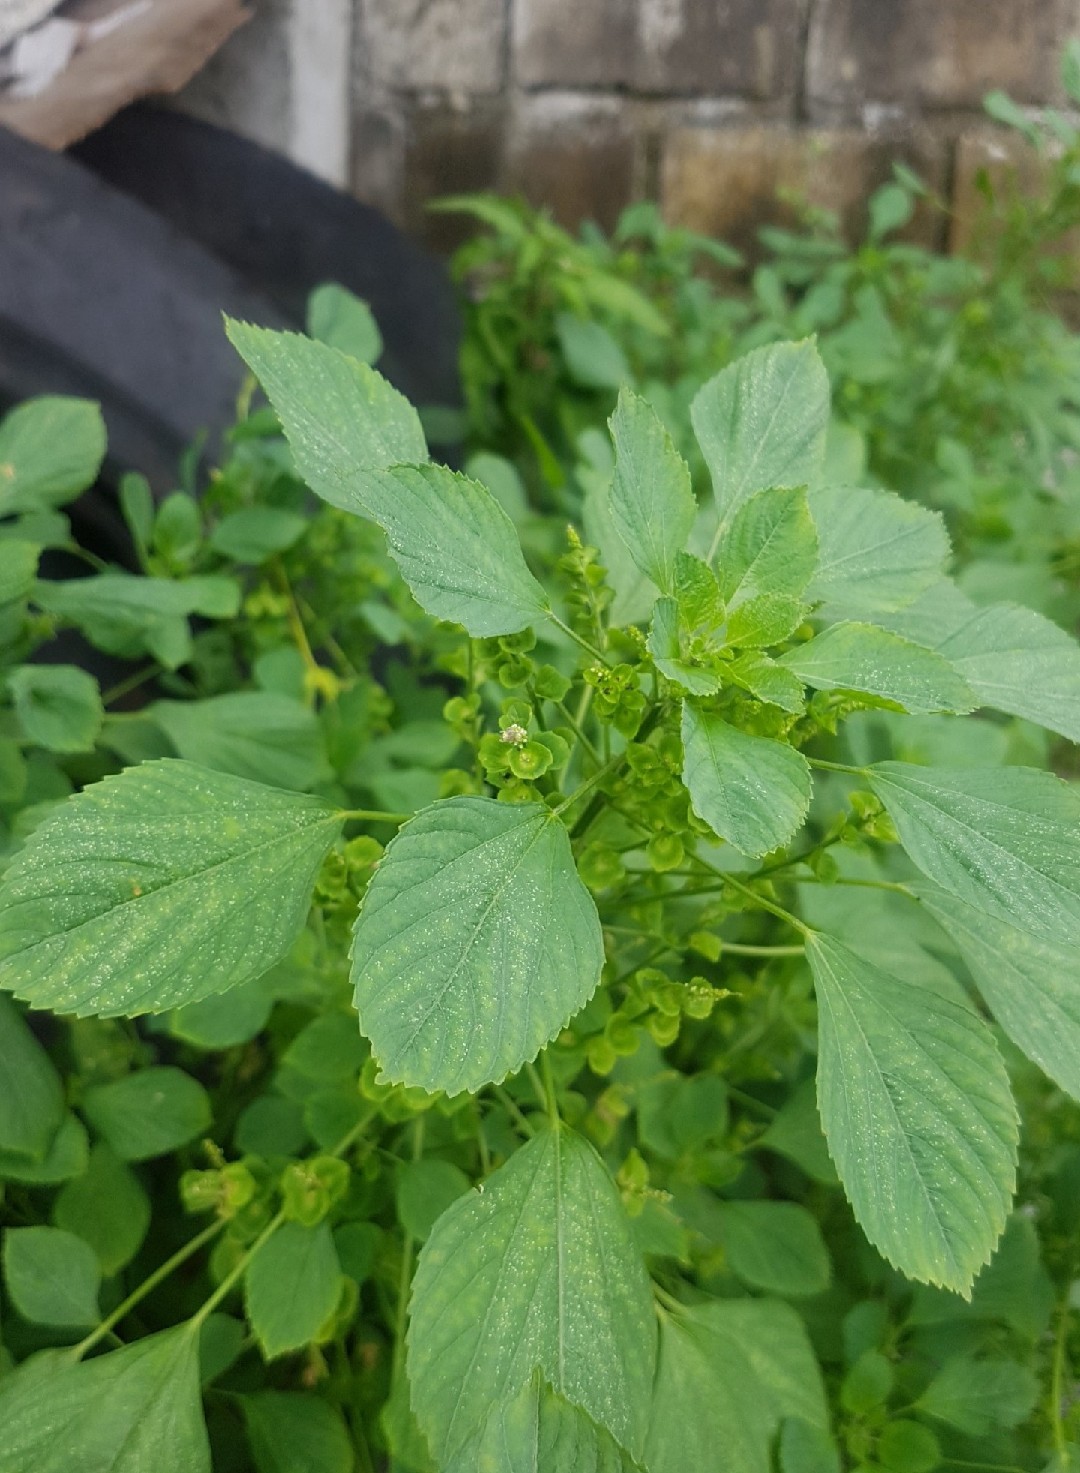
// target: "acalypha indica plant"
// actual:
[[672, 780]]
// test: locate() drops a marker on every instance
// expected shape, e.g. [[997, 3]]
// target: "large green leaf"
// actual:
[[978, 1395], [538, 1430], [129, 616], [752, 791], [1032, 986], [1014, 659], [260, 735], [31, 1095], [538, 1271], [729, 1373], [292, 1286], [66, 1157], [58, 706], [51, 449], [125, 1412], [475, 944], [156, 887], [873, 661], [652, 502], [876, 550], [770, 547], [148, 1113], [359, 444], [457, 549], [761, 423], [1017, 661], [775, 1246], [52, 1276], [917, 1111], [1006, 840], [344, 422]]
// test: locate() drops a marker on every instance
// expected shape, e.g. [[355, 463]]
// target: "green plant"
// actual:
[[575, 1133], [953, 376]]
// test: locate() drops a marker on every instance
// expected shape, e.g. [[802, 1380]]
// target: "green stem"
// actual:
[[893, 885], [408, 1254], [549, 1090], [130, 683], [776, 910], [374, 815], [578, 731], [587, 786], [1057, 1379], [836, 767], [234, 1275], [578, 639], [148, 1284], [512, 1108]]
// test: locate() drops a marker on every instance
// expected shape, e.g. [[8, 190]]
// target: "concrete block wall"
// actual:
[[709, 106]]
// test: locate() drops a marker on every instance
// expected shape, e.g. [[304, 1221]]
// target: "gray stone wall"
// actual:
[[716, 108]]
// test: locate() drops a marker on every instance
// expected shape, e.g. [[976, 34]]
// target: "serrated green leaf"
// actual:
[[52, 1277], [1005, 840], [476, 943], [761, 423], [18, 569], [148, 1113], [976, 1396], [539, 1271], [292, 1432], [763, 620], [729, 1372], [156, 887], [343, 421], [1018, 662], [1031, 986], [125, 615], [66, 1157], [770, 546], [775, 1246], [342, 320], [51, 449], [125, 1412], [916, 1107], [58, 706], [457, 549], [257, 532], [752, 791], [635, 594], [876, 550], [759, 674], [291, 1287], [873, 661], [652, 502], [666, 647], [31, 1095], [260, 735], [107, 1208], [536, 1429]]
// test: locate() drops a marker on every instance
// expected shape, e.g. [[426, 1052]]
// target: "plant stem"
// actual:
[[776, 910], [148, 1284], [578, 639], [893, 885], [374, 815], [233, 1276], [129, 683], [1057, 1378], [836, 767], [512, 1108], [589, 783], [571, 722], [549, 1089]]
